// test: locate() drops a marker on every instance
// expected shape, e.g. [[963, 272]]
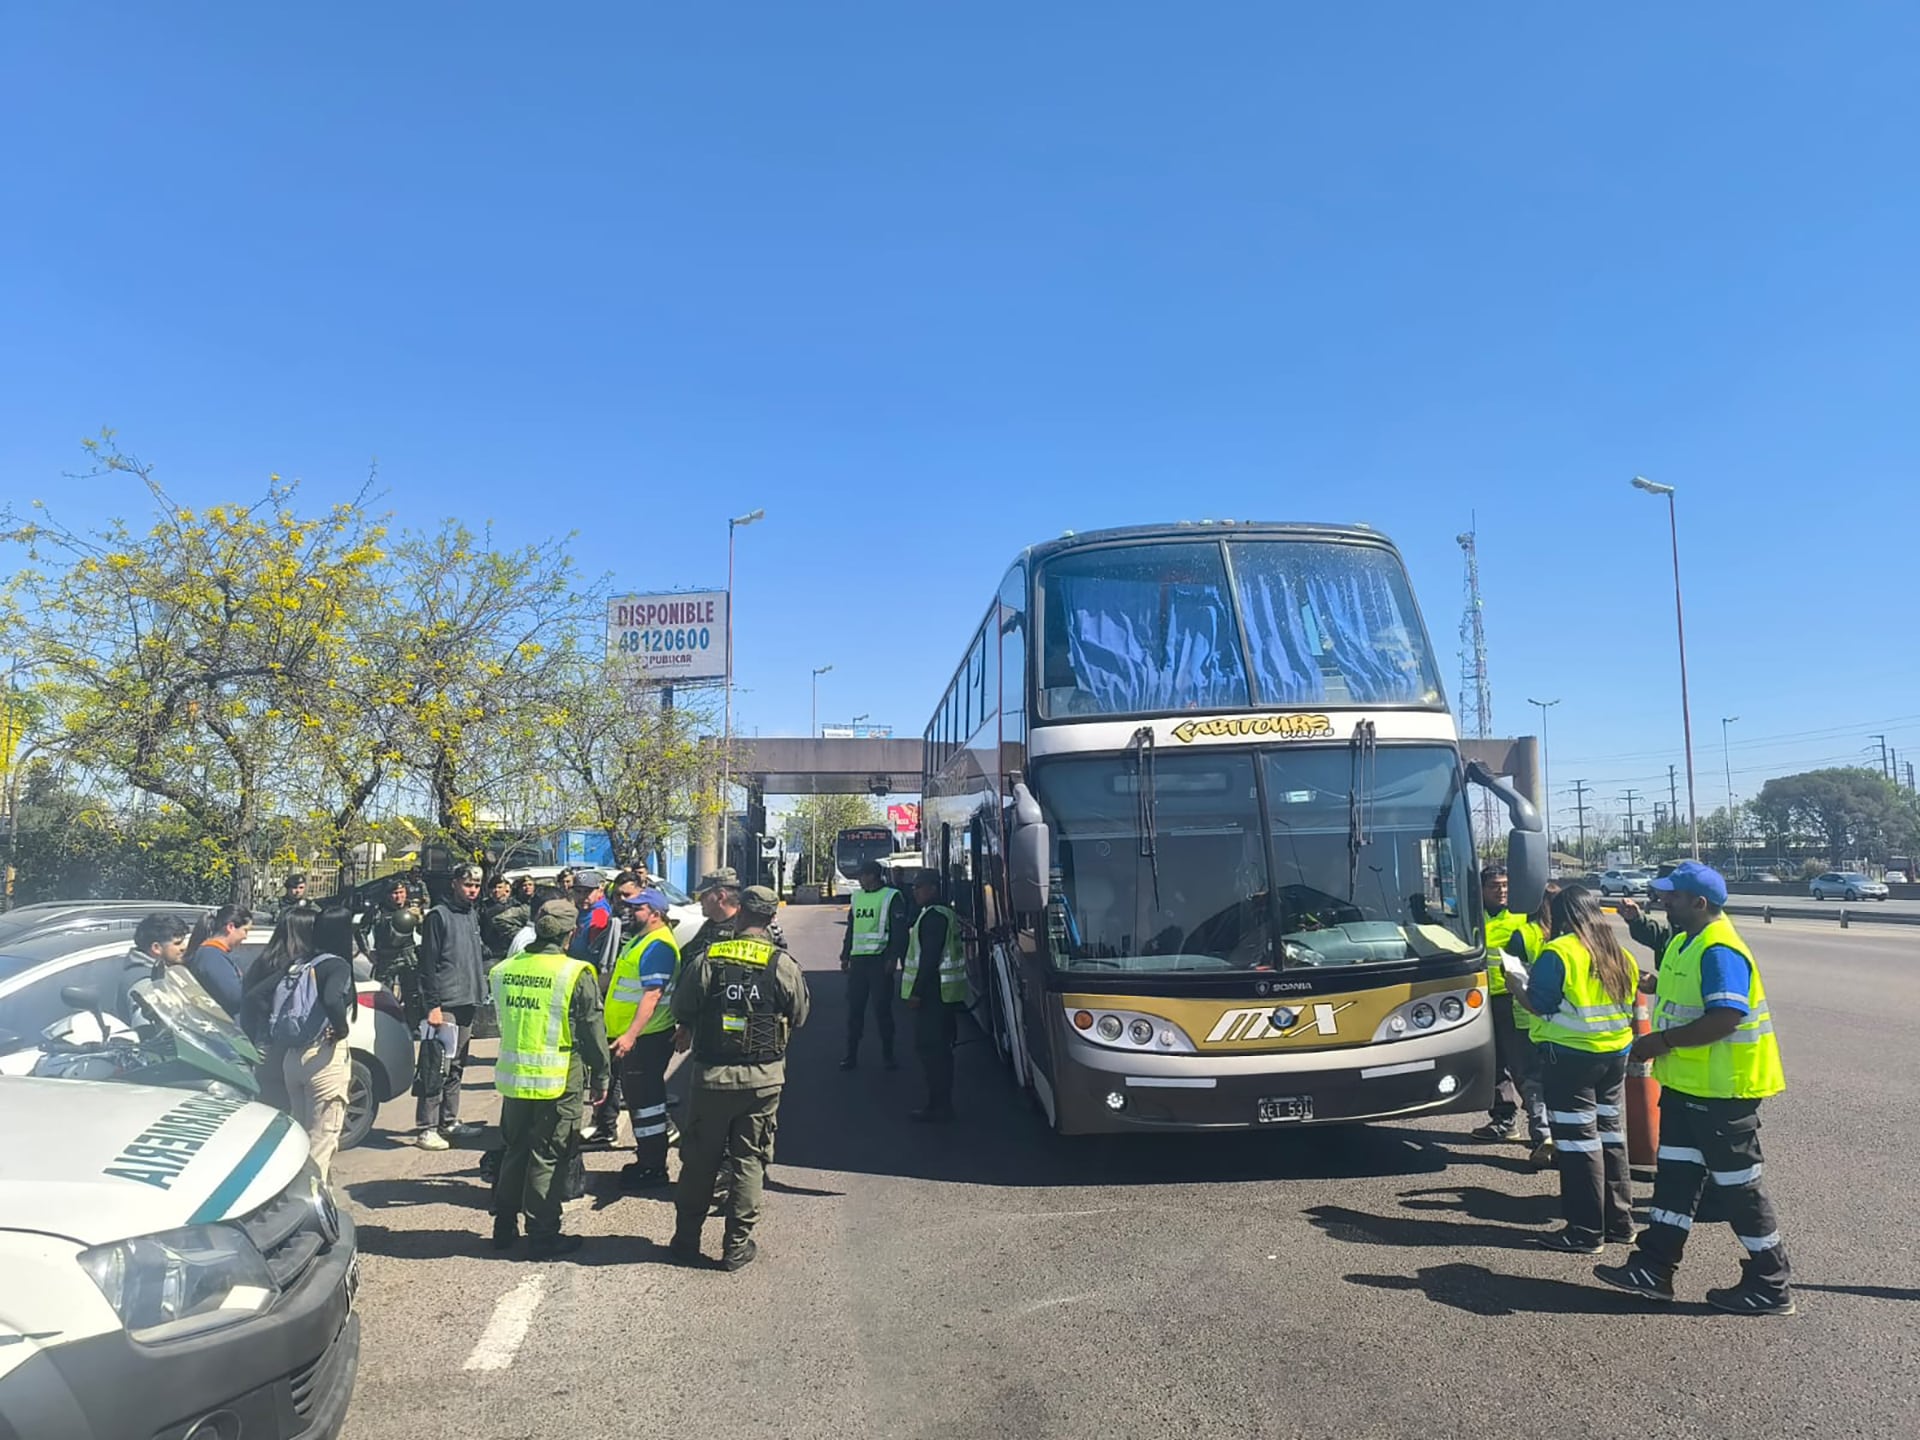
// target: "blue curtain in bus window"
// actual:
[[1284, 670], [1151, 645], [1313, 610], [1362, 622]]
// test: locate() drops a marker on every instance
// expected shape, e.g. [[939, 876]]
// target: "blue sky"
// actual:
[[932, 283]]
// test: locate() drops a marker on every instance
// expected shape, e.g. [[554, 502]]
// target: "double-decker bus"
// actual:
[[1196, 790]]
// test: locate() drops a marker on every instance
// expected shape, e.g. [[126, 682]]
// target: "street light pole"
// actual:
[[813, 830], [1640, 482], [726, 728], [1546, 777], [1726, 755]]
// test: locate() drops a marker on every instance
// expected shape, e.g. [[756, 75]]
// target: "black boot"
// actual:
[[506, 1231]]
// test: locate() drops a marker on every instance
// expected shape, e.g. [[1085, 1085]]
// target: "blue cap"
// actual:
[[648, 896], [1690, 877]]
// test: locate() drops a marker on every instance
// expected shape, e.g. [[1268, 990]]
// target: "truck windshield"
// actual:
[[1152, 628], [1290, 859]]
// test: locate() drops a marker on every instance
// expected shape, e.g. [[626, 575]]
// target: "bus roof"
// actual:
[[1210, 530]]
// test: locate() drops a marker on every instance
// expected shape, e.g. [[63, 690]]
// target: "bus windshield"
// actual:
[[1212, 625], [1235, 860], [855, 847]]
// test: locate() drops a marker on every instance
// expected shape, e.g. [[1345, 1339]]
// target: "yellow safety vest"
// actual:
[[1745, 1065], [1588, 1018], [1500, 929], [953, 959], [869, 919], [533, 992], [624, 990]]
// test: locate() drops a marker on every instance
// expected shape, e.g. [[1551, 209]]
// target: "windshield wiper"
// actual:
[[1146, 810], [1363, 762]]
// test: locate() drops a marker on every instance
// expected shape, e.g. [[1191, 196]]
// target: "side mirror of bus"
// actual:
[[1031, 859], [1526, 870]]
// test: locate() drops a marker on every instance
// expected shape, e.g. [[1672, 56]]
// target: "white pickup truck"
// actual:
[[171, 1265]]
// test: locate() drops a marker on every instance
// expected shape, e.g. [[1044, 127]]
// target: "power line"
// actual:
[[1755, 742]]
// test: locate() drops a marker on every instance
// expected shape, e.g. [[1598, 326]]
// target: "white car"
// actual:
[[1845, 885], [1625, 882], [174, 1265], [34, 971]]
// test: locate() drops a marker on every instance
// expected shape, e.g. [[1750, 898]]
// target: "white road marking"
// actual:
[[1057, 1301], [512, 1318]]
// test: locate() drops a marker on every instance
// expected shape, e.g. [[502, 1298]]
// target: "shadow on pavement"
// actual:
[[1479, 1291], [427, 1244], [1868, 1292], [856, 1122], [400, 1194], [1478, 1203], [1356, 1227]]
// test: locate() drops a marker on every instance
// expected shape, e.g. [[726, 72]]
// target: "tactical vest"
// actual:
[[744, 1020], [953, 959], [1588, 1018], [533, 993], [869, 912], [624, 990], [1745, 1065]]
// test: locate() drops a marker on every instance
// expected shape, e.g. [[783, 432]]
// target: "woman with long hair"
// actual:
[[1581, 990], [311, 1056]]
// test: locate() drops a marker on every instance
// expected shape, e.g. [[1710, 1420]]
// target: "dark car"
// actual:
[[75, 917]]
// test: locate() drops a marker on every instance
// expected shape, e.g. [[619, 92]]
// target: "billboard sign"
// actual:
[[904, 819], [669, 638], [856, 732]]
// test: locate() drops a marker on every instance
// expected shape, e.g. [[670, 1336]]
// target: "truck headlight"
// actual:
[[181, 1282]]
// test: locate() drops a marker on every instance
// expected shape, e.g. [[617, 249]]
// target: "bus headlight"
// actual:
[[1430, 1013], [1126, 1029]]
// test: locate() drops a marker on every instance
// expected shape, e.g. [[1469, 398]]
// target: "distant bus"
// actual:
[[854, 847], [1197, 796]]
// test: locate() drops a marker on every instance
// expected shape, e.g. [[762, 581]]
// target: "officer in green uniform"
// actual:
[[934, 985], [1716, 1057], [553, 1046], [736, 1004]]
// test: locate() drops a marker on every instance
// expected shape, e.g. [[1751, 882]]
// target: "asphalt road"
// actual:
[[988, 1280]]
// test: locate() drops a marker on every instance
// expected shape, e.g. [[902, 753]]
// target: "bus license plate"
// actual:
[[1276, 1108]]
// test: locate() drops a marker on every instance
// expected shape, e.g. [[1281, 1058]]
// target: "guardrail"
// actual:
[[1847, 915]]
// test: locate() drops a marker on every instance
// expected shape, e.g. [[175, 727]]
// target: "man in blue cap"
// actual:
[[640, 1025], [1716, 1057]]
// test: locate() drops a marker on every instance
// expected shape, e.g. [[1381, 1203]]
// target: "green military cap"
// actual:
[[726, 877], [759, 900], [556, 920]]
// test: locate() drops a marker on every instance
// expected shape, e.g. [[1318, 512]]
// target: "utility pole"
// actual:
[[1883, 753], [1630, 797], [1910, 775], [1580, 808], [1673, 796], [1476, 691]]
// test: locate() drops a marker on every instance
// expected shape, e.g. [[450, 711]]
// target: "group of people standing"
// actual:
[[1563, 1005], [730, 1000]]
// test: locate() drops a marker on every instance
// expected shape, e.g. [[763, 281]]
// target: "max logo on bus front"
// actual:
[[1274, 727], [1280, 1023]]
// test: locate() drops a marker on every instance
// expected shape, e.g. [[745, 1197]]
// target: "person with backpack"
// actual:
[[296, 1007]]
